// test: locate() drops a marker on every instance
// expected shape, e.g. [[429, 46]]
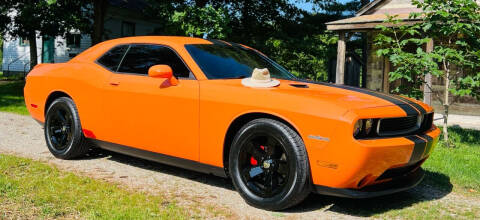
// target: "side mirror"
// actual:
[[163, 71]]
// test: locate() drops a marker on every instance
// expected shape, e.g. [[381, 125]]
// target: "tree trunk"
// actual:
[[427, 87], [33, 49], [99, 11], [445, 125], [446, 104]]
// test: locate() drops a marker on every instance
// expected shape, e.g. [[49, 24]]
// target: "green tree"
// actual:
[[339, 8], [99, 12], [310, 57], [454, 26], [26, 18], [295, 38], [203, 21]]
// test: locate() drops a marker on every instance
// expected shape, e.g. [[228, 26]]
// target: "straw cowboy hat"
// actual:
[[260, 79]]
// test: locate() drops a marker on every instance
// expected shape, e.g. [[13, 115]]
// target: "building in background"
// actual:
[[376, 69], [123, 18]]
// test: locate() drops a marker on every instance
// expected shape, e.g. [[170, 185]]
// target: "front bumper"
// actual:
[[345, 164], [396, 185]]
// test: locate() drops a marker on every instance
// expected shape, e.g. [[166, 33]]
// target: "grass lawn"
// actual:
[[32, 190], [11, 97], [461, 164], [10, 78]]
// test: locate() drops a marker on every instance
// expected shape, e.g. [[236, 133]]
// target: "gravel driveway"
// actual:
[[22, 136]]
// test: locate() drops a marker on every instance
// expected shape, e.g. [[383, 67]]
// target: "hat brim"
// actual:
[[248, 82]]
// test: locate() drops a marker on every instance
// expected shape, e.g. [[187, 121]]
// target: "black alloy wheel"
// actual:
[[63, 131], [264, 166], [60, 127], [269, 166]]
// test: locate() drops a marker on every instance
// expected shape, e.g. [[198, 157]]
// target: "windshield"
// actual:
[[226, 62]]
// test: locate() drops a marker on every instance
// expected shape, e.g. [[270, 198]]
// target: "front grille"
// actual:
[[400, 171], [398, 126]]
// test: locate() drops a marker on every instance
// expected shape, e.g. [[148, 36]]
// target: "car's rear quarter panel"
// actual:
[[81, 81]]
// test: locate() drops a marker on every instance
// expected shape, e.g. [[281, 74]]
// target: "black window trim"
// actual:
[[138, 74], [103, 54], [123, 57]]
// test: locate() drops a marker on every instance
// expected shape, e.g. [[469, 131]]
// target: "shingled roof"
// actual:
[[375, 13], [368, 7]]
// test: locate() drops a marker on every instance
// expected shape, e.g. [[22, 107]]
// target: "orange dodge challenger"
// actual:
[[181, 101]]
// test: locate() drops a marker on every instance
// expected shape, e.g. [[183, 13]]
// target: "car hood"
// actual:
[[327, 94]]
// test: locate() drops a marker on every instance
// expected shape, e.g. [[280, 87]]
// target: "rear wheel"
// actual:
[[269, 165], [63, 131]]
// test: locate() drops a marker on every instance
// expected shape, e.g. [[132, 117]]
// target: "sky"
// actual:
[[308, 6], [304, 6]]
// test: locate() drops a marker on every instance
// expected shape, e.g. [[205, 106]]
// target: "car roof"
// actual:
[[159, 39], [175, 42]]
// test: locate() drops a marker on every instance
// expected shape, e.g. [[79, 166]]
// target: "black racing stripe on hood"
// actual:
[[414, 104], [404, 100], [408, 109]]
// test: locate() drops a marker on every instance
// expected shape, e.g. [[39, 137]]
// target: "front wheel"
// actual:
[[269, 166], [63, 131]]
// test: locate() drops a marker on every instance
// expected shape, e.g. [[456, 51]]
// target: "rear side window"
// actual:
[[113, 57], [141, 57]]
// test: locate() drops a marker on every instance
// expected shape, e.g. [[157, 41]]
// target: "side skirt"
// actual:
[[161, 158]]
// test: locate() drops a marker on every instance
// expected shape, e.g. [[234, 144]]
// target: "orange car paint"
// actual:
[[190, 120]]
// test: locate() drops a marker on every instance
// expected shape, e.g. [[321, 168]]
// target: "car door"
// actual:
[[149, 113]]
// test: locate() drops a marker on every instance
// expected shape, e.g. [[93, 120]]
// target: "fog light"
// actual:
[[357, 128]]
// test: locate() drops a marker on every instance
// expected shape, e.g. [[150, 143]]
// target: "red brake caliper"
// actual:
[[254, 162]]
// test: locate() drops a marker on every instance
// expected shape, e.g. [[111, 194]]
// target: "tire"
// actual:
[[269, 166], [63, 131]]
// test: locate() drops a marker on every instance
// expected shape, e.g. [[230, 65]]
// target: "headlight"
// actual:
[[357, 128], [368, 126], [365, 128]]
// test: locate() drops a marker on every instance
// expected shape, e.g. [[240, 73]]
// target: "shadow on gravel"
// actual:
[[158, 167], [434, 186], [425, 191]]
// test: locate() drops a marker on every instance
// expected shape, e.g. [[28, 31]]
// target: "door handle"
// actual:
[[114, 83]]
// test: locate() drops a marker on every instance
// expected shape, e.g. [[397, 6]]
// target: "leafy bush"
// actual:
[[455, 29]]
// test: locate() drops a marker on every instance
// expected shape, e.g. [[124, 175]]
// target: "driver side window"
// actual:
[[140, 57]]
